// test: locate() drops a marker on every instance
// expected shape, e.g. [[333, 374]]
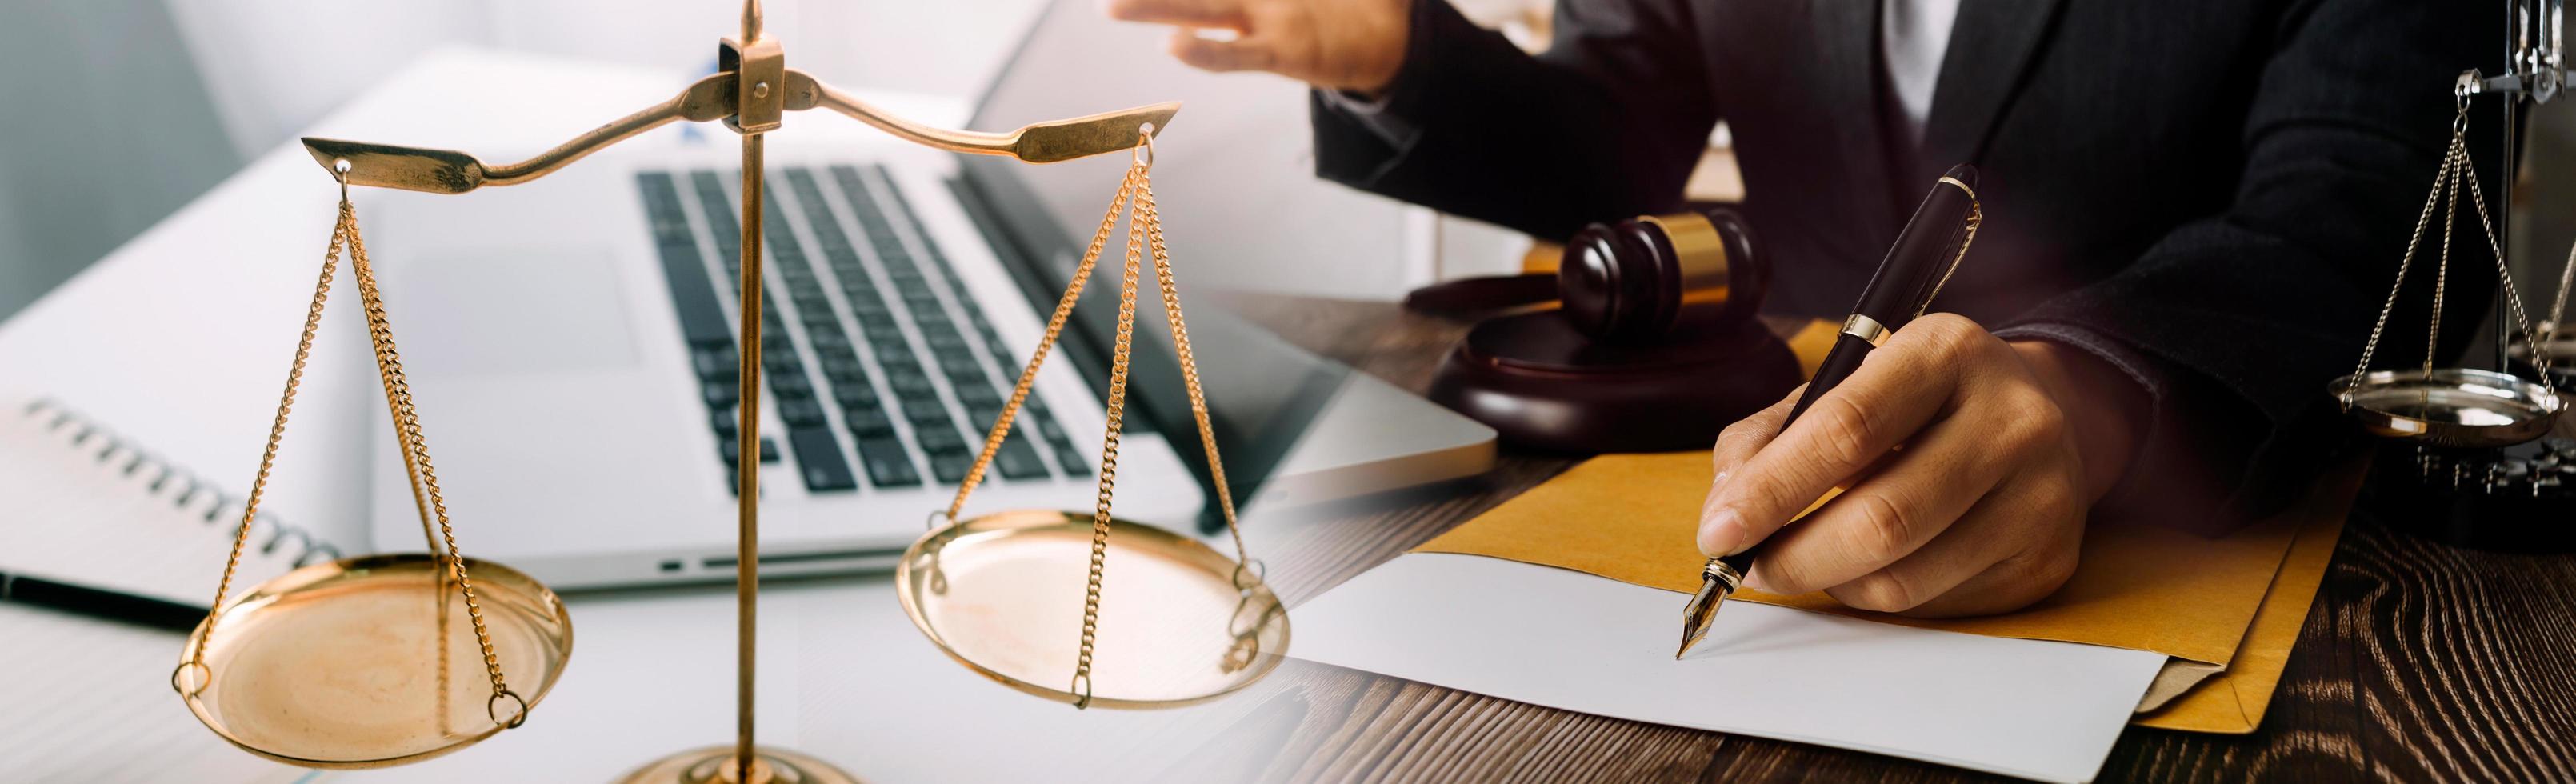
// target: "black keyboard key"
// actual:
[[979, 396], [1073, 461], [926, 417], [1017, 460], [868, 422], [913, 389], [888, 465], [721, 395], [844, 372], [716, 363], [818, 454], [854, 394], [791, 387], [702, 319], [951, 468], [726, 421], [725, 448], [719, 213], [941, 441], [801, 412]]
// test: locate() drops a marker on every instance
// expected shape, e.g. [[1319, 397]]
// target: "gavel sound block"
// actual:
[[1656, 347]]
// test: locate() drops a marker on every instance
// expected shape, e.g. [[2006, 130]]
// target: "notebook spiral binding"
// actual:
[[174, 484]]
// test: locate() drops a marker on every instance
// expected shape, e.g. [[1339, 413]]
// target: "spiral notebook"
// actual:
[[87, 506]]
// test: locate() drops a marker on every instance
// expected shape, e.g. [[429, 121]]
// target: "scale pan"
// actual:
[[1003, 593], [345, 664], [2450, 407]]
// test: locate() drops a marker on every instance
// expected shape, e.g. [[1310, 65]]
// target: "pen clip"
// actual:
[[1976, 218]]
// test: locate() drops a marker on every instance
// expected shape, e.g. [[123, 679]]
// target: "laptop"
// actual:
[[578, 385]]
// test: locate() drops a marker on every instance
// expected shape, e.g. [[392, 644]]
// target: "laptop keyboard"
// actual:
[[892, 368]]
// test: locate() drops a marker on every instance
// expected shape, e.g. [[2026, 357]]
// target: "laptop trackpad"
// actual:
[[513, 310]]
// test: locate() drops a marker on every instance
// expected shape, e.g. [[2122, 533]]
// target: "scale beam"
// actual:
[[713, 98], [1046, 142]]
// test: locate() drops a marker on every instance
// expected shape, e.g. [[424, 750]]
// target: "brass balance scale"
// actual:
[[2474, 463], [359, 663]]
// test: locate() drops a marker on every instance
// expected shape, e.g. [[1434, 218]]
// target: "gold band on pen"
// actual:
[[1972, 192], [1866, 328]]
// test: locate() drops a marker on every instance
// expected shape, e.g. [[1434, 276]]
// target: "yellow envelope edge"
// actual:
[[1632, 518], [2234, 701]]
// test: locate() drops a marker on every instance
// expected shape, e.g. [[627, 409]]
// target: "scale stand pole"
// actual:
[[2516, 42], [747, 459]]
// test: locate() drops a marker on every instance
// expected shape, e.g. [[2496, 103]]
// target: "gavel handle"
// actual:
[[1475, 296]]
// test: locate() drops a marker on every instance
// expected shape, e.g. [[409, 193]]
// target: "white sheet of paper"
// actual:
[[1564, 639]]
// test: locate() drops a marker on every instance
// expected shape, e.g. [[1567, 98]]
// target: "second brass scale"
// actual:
[[389, 659]]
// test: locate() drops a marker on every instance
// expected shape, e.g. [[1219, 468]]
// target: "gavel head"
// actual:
[[1627, 281]]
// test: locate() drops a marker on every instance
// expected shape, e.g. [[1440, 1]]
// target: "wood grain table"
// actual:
[[2418, 662]]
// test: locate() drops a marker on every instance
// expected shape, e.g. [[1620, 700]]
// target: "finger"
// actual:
[[1912, 499], [1209, 54], [1737, 443], [2014, 548], [1193, 13], [1898, 388]]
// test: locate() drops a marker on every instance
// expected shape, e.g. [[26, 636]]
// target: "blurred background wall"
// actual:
[[119, 111]]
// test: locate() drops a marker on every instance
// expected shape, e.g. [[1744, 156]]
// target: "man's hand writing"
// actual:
[[2004, 446]]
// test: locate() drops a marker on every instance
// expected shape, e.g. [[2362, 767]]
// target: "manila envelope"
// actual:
[[2227, 608]]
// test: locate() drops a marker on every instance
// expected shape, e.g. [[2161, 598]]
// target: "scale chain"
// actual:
[[2504, 278], [2457, 174], [407, 429], [268, 455], [1118, 367], [2404, 264], [1153, 220], [1144, 231], [424, 474], [1054, 328], [2442, 271]]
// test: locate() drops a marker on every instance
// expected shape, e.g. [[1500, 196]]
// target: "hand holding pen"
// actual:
[[2006, 445]]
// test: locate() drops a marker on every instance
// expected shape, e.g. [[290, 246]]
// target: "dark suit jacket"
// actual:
[[2212, 194]]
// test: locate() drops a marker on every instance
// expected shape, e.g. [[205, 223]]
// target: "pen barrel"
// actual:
[[1923, 251], [1839, 365], [1903, 286]]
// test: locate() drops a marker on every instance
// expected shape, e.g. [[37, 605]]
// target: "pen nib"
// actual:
[[1717, 580]]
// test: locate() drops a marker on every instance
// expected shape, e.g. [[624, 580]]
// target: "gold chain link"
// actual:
[[1118, 366], [1144, 229], [1054, 328], [423, 475], [1153, 220], [276, 433]]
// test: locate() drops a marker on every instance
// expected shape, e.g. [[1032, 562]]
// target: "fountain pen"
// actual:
[[1925, 253]]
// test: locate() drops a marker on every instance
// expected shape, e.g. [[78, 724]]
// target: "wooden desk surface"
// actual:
[[2418, 662]]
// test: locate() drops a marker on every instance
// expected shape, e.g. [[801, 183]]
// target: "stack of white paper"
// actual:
[[1564, 639]]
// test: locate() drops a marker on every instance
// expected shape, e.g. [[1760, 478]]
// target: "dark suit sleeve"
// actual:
[[1606, 124], [2237, 322]]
